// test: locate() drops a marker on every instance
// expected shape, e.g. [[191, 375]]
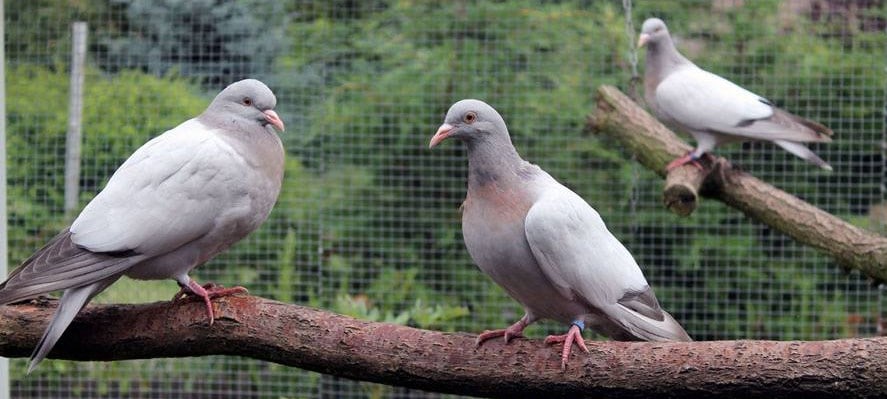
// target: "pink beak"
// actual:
[[442, 133], [273, 119], [643, 39]]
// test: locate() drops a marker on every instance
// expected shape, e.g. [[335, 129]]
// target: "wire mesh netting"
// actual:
[[368, 223]]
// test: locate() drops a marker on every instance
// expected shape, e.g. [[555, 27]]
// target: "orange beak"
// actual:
[[273, 119], [442, 133]]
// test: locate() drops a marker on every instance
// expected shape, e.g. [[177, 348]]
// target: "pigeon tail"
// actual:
[[639, 314], [644, 328], [73, 300], [803, 152]]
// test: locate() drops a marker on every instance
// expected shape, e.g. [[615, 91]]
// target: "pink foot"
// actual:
[[682, 161], [208, 291], [515, 330], [574, 335]]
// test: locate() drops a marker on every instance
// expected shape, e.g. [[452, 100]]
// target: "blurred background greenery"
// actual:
[[368, 222]]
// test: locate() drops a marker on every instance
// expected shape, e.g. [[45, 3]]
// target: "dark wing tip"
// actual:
[[820, 132], [60, 265]]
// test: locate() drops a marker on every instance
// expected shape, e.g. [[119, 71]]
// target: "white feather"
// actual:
[[701, 100], [169, 192], [577, 252]]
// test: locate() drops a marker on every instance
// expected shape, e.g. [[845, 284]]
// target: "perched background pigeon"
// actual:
[[179, 200], [545, 245], [714, 110]]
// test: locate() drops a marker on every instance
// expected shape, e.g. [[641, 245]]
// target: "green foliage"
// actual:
[[420, 314], [388, 295], [32, 27], [218, 42]]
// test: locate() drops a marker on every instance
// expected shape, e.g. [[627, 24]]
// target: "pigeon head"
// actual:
[[470, 121], [249, 99], [653, 32]]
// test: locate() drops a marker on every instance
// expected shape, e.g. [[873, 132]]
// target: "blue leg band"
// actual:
[[580, 324]]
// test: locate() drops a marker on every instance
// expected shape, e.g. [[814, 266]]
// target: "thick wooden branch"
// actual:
[[446, 362], [654, 145], [682, 188]]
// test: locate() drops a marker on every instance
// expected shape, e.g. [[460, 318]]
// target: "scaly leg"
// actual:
[[574, 335]]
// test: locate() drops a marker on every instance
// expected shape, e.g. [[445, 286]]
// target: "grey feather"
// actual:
[[644, 303], [72, 302], [803, 152], [712, 109], [175, 203]]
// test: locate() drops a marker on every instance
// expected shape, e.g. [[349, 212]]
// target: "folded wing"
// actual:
[[702, 101], [582, 258], [168, 193]]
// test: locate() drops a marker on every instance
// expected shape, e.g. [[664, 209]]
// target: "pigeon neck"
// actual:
[[663, 57], [491, 161], [259, 145]]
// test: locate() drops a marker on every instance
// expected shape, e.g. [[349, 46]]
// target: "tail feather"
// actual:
[[647, 329], [803, 152], [72, 302], [638, 313]]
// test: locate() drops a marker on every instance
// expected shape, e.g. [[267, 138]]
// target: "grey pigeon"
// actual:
[[545, 245], [179, 200], [714, 110]]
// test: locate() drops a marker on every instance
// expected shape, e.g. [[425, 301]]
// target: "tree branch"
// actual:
[[654, 145], [446, 362]]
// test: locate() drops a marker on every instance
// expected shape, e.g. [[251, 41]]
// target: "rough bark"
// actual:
[[682, 188], [448, 362], [654, 146]]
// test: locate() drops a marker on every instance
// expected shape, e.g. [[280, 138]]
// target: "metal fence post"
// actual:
[[75, 118]]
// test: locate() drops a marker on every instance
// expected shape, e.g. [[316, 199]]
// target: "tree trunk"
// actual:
[[449, 362], [654, 146]]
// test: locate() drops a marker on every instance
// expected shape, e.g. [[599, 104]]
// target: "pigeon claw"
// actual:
[[683, 161], [207, 292], [513, 331], [490, 334], [574, 335]]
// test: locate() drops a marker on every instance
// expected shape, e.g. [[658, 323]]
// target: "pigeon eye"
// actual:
[[470, 117], [247, 101]]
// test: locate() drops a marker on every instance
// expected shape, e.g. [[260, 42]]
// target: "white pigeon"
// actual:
[[714, 110], [179, 200], [545, 245]]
